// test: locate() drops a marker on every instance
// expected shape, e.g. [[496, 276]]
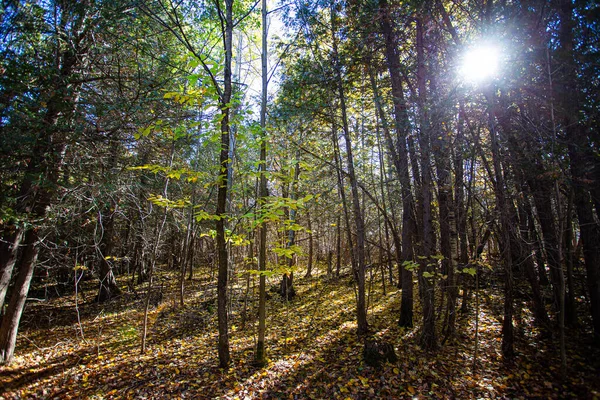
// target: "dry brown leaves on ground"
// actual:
[[312, 347]]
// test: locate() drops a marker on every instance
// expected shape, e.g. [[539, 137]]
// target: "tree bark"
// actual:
[[108, 283], [12, 318], [309, 265], [224, 162], [505, 226], [9, 250], [42, 176], [427, 272], [260, 356], [361, 311], [402, 126], [579, 150]]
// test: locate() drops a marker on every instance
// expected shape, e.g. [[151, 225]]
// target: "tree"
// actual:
[[260, 355], [401, 125], [57, 99]]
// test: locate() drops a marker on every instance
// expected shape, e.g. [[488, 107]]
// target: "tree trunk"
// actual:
[[505, 226], [402, 126], [108, 283], [224, 162], [9, 250], [12, 318], [338, 246], [427, 270], [361, 311], [287, 289], [260, 356], [309, 266], [461, 208], [42, 176], [579, 150], [570, 305]]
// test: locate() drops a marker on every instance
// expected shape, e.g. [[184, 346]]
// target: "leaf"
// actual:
[[203, 216]]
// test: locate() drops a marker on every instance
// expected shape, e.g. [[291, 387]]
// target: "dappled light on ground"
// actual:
[[313, 353]]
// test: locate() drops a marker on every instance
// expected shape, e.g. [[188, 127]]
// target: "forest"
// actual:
[[303, 199]]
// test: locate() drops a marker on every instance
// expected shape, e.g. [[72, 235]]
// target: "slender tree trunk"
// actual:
[[551, 243], [108, 283], [342, 194], [361, 311], [524, 258], [194, 243], [260, 356], [223, 180], [426, 271], [579, 152], [185, 254], [461, 207], [402, 126], [309, 266], [570, 306], [505, 226], [159, 228], [12, 318], [287, 290], [387, 224], [338, 246], [9, 250]]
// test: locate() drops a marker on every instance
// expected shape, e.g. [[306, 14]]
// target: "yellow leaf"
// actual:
[[396, 371], [411, 389]]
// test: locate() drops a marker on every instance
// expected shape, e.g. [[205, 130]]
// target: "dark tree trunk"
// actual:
[[9, 250], [461, 209], [427, 270], [108, 282], [42, 176], [225, 165], [402, 126], [12, 318], [310, 248], [504, 235], [361, 311], [579, 155], [260, 355], [338, 246], [570, 305]]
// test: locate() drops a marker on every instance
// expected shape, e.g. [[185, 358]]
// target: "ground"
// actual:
[[312, 349]]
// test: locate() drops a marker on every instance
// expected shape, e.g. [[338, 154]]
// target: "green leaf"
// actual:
[[204, 216], [471, 271]]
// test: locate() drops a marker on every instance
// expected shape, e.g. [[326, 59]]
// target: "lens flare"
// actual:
[[480, 63]]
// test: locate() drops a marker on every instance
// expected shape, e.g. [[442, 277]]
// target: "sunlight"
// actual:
[[480, 63]]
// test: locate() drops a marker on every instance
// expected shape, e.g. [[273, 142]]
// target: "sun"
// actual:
[[480, 63]]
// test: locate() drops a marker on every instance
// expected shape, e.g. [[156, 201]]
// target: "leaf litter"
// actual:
[[312, 347]]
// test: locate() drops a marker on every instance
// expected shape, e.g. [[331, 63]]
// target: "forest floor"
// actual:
[[312, 348]]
